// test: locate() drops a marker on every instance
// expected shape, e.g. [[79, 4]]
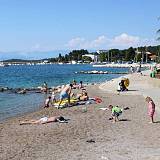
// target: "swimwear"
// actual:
[[44, 119], [151, 108], [63, 95]]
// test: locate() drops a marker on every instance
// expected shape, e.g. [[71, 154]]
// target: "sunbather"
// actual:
[[83, 96], [44, 120]]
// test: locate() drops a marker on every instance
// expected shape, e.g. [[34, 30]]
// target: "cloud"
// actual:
[[76, 42], [102, 42], [125, 39]]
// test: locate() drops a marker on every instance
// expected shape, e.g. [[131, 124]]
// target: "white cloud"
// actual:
[[102, 42], [76, 42], [125, 39]]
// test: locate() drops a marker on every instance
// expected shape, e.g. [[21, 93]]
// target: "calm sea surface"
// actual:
[[33, 76]]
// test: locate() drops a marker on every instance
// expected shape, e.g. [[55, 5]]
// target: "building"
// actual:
[[102, 51], [93, 57]]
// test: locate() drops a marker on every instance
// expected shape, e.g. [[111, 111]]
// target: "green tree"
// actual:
[[87, 59], [130, 54], [102, 57], [138, 57]]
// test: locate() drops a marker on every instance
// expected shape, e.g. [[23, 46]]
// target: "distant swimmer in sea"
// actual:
[[65, 93], [45, 120], [151, 109]]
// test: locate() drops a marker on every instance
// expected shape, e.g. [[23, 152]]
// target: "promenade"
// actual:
[[139, 85]]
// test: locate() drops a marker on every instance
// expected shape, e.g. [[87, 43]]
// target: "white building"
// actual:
[[93, 57], [102, 51]]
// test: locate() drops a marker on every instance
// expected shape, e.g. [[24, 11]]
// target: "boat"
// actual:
[[3, 65]]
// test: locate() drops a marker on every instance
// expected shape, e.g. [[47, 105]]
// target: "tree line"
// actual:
[[112, 55]]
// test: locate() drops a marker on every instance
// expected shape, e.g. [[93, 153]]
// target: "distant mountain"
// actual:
[[36, 55], [20, 60]]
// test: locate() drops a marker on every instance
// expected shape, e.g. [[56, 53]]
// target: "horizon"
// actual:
[[38, 29]]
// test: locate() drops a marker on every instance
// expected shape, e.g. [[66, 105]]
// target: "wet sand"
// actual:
[[133, 138]]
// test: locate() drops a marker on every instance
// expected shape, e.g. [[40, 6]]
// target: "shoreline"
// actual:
[[128, 139], [108, 86], [125, 140]]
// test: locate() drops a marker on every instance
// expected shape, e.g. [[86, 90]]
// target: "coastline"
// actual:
[[132, 138]]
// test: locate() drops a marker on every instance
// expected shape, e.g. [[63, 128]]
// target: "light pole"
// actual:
[[146, 54]]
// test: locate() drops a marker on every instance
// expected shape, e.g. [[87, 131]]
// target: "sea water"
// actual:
[[25, 76]]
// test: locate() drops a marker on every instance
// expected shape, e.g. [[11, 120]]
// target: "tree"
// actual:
[[130, 54], [87, 59], [102, 57], [60, 57]]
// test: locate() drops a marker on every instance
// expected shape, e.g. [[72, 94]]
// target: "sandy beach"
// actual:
[[132, 138]]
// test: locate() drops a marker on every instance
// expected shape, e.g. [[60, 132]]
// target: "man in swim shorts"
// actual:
[[65, 93]]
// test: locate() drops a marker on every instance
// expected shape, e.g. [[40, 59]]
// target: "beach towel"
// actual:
[[103, 109], [98, 100]]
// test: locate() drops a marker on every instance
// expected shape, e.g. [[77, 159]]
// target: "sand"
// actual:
[[133, 138]]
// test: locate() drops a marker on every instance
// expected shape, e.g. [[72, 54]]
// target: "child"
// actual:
[[116, 112], [151, 108], [53, 98], [47, 102]]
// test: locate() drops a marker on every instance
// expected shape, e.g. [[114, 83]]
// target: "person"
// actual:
[[151, 109], [45, 120], [116, 112], [74, 82], [45, 87], [47, 102], [131, 69], [53, 98], [65, 93], [122, 86], [83, 96], [139, 69], [80, 85]]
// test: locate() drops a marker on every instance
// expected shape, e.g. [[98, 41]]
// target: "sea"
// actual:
[[26, 76]]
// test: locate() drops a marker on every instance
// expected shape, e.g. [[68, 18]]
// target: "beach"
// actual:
[[89, 135]]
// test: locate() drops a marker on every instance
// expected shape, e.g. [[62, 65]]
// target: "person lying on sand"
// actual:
[[45, 120], [116, 112]]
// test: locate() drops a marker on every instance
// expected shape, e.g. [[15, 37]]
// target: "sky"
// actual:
[[44, 28]]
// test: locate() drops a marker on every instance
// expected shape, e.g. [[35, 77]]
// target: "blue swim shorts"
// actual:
[[63, 95]]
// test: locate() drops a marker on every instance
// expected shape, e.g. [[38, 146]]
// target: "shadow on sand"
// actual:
[[124, 120], [157, 122]]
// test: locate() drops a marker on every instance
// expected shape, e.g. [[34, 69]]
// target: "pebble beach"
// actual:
[[90, 135]]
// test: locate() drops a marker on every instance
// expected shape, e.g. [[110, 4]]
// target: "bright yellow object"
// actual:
[[126, 82], [65, 102]]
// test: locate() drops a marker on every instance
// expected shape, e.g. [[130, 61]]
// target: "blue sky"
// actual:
[[31, 26]]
